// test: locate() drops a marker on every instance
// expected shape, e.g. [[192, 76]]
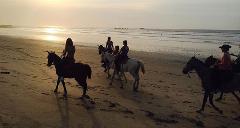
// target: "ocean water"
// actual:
[[173, 41]]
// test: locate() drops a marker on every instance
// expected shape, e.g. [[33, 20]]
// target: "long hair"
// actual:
[[69, 42]]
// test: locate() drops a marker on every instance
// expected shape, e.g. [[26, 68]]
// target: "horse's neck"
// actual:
[[57, 60], [201, 70]]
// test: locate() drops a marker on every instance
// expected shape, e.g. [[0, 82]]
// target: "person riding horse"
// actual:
[[116, 51], [122, 57], [224, 67], [68, 52], [225, 63], [109, 45], [109, 49]]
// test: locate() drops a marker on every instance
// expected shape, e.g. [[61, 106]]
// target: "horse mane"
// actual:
[[199, 61], [59, 58]]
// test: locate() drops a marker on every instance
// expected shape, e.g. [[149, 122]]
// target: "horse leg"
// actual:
[[120, 78], [236, 96], [220, 98], [204, 102], [211, 102], [58, 81], [83, 83], [84, 89], [108, 73], [65, 90], [124, 77], [134, 83], [136, 88], [114, 72]]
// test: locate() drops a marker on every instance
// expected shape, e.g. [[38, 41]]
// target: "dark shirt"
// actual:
[[115, 52], [124, 50], [109, 45]]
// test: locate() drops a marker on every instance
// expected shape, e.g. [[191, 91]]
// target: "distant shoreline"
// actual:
[[123, 28], [6, 26], [185, 42]]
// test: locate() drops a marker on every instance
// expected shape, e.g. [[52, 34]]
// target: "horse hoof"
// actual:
[[135, 90], [199, 111], [55, 90], [110, 83], [65, 95], [220, 111], [86, 96], [218, 99], [121, 87]]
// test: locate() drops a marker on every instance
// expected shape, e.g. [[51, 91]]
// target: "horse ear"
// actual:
[[47, 52]]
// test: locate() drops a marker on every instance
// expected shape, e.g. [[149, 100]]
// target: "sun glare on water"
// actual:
[[51, 38], [51, 30], [51, 34]]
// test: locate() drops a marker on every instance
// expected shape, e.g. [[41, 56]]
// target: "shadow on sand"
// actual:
[[62, 104]]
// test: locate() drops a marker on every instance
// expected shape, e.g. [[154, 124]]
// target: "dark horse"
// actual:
[[210, 82], [210, 61], [78, 71]]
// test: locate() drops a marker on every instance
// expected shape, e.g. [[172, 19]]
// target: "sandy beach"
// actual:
[[166, 97]]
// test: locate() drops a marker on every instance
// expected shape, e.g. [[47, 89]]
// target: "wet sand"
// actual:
[[166, 97]]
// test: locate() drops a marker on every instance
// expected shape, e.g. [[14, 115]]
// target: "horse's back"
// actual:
[[132, 65], [231, 85], [75, 70]]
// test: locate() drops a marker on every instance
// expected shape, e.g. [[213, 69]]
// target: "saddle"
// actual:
[[67, 63]]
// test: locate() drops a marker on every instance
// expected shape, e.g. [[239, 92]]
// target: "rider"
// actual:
[[225, 65], [116, 51], [123, 56], [69, 51], [109, 45]]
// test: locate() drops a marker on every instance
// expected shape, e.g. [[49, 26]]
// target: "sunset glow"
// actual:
[[181, 14], [51, 30]]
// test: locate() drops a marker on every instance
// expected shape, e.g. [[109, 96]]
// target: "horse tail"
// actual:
[[142, 67], [89, 71]]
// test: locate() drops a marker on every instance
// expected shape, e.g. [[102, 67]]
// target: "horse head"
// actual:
[[51, 58], [190, 65]]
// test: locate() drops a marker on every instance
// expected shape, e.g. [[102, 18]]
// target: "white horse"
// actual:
[[132, 66]]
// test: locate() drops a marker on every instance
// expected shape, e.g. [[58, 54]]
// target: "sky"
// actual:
[[162, 14]]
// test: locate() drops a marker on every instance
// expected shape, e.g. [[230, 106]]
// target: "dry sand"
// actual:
[[166, 97]]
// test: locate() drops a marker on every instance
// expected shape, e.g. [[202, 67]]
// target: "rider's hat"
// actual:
[[225, 46]]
